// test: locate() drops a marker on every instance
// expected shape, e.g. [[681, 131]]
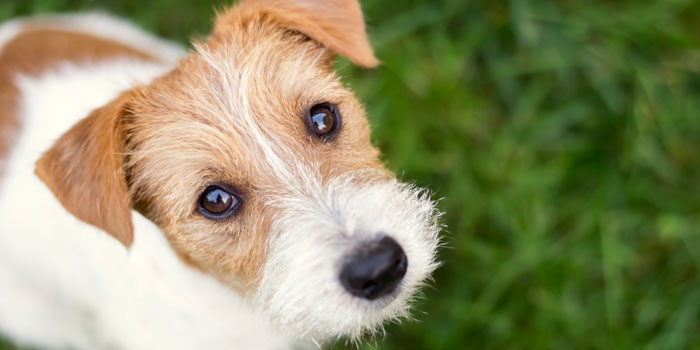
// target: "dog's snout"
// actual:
[[376, 270]]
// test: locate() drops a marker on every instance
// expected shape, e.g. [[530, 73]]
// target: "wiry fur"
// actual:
[[231, 112], [342, 217]]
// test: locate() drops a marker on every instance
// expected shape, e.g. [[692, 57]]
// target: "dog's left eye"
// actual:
[[217, 203], [323, 119]]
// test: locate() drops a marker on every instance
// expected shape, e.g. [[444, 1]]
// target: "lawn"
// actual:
[[563, 139]]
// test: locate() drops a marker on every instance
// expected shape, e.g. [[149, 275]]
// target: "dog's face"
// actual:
[[257, 164]]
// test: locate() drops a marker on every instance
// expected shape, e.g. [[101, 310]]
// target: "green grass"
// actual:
[[563, 138]]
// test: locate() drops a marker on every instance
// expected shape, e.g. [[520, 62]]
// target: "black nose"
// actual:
[[376, 270]]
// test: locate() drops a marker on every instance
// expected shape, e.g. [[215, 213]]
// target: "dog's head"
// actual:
[[257, 164]]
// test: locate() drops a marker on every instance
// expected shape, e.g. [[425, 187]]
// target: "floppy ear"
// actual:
[[336, 24], [84, 170]]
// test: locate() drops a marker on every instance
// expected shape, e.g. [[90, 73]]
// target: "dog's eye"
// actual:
[[323, 119], [217, 203]]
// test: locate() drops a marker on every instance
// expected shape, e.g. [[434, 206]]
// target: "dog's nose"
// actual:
[[375, 271]]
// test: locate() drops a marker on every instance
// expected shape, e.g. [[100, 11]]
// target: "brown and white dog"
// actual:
[[250, 209]]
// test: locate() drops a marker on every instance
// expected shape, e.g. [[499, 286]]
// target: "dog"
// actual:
[[225, 197]]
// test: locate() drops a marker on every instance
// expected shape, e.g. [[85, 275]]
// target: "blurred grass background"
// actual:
[[563, 138]]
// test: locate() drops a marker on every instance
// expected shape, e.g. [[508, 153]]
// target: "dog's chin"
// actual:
[[385, 301], [344, 315], [374, 314]]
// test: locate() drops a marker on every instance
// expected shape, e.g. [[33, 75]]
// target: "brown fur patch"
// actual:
[[34, 51]]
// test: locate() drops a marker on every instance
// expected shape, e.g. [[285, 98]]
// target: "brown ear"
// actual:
[[336, 24], [84, 171]]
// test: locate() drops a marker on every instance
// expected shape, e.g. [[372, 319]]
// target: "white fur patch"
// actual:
[[301, 291]]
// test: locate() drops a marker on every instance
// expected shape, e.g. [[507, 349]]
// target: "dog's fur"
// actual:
[[158, 126]]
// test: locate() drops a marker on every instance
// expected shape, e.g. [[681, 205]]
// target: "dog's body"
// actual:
[[61, 276], [65, 283]]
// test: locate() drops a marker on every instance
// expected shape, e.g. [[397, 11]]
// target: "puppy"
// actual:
[[227, 197]]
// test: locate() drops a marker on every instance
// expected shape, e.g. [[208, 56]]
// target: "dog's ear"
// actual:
[[84, 170], [336, 24]]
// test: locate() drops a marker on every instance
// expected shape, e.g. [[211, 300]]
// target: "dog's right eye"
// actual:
[[217, 203]]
